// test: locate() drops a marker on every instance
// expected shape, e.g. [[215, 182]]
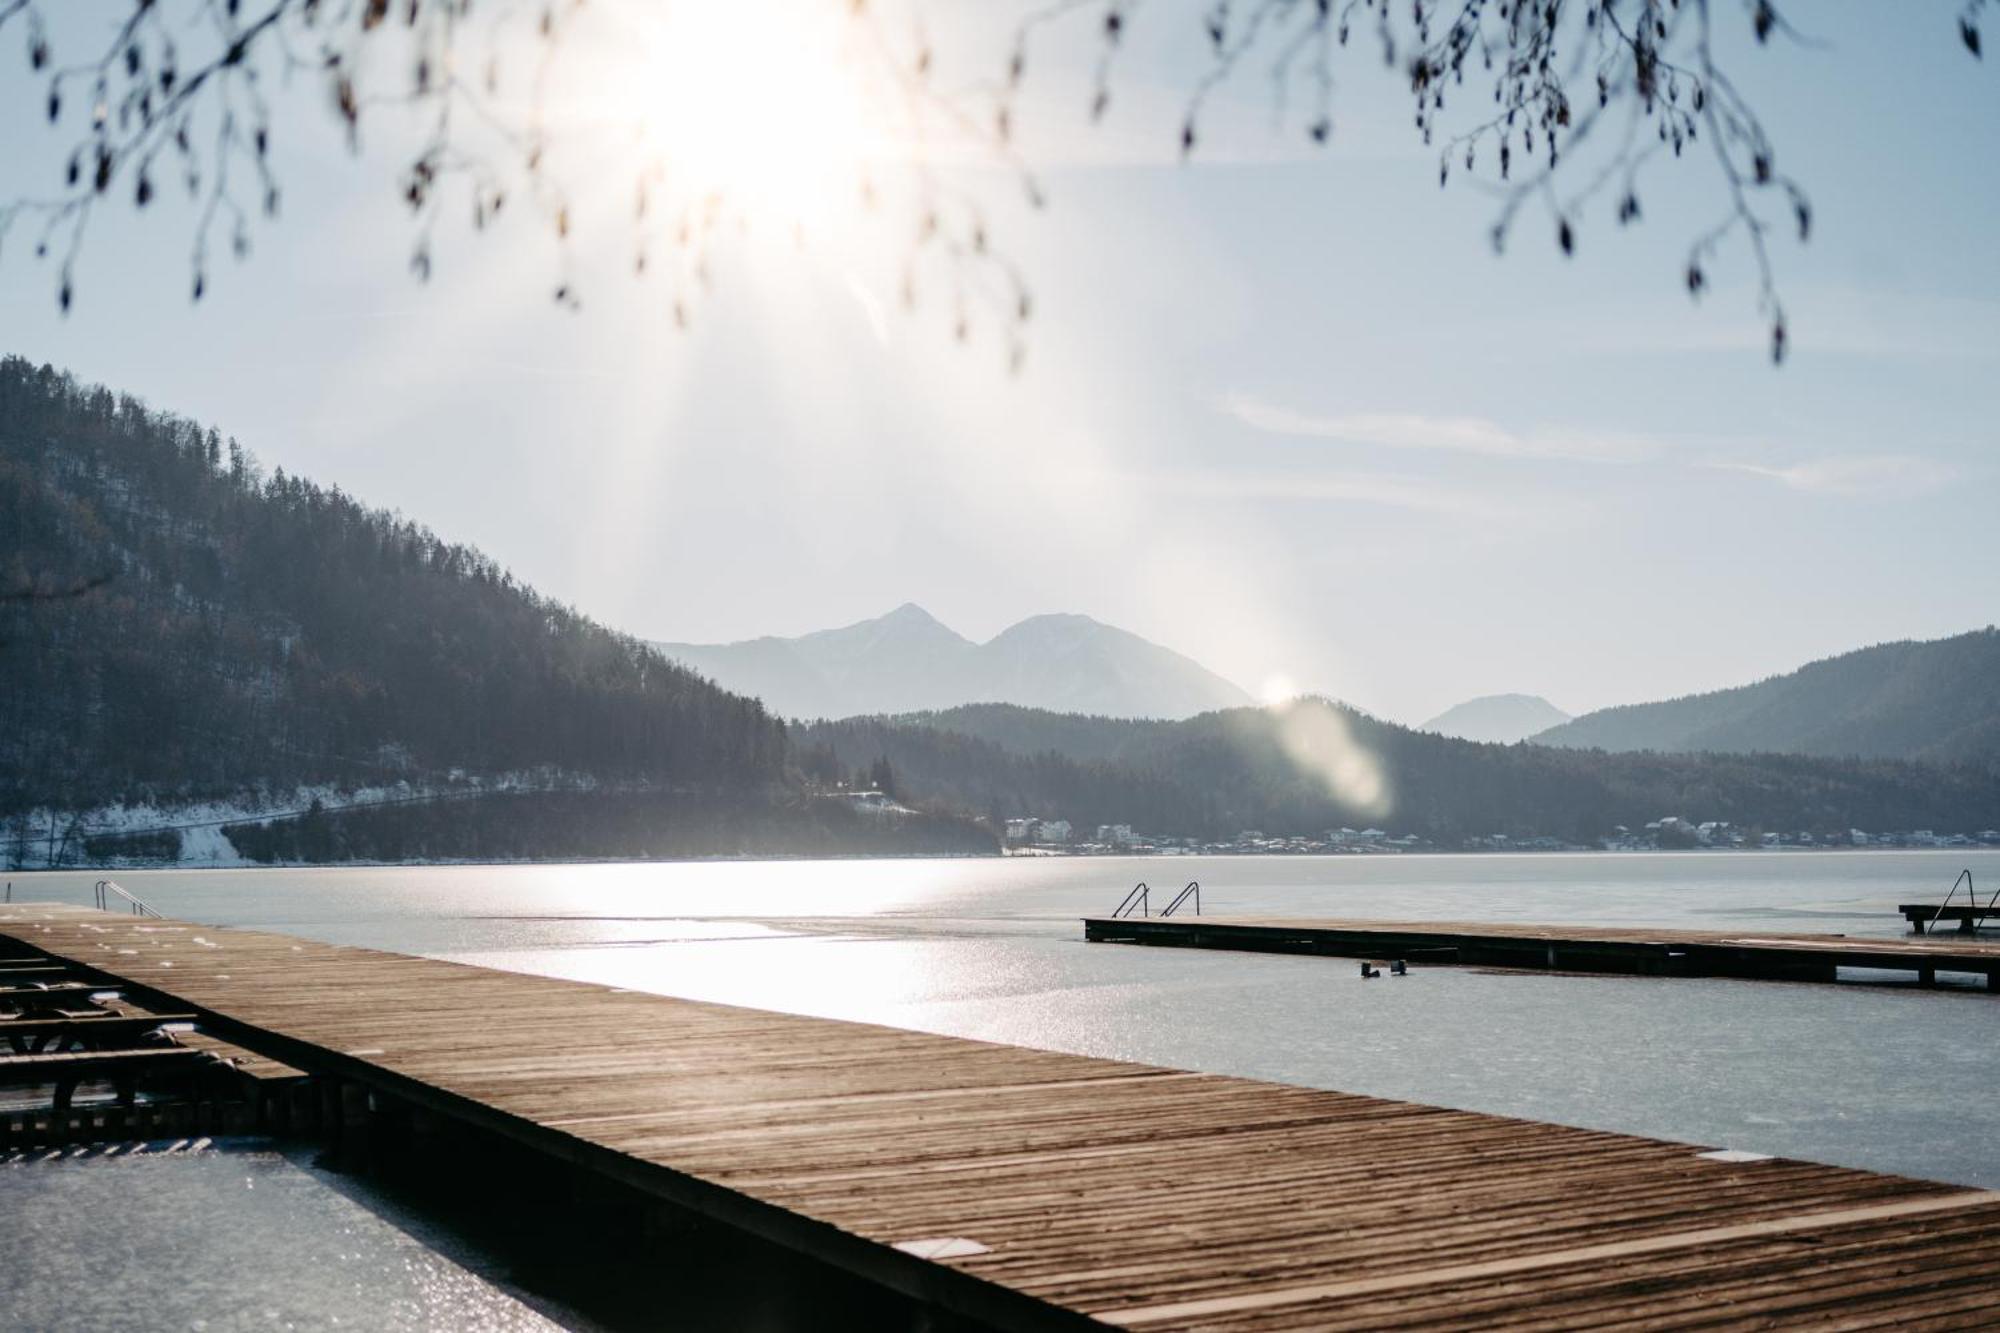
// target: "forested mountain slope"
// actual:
[[1215, 775], [1914, 700], [251, 629]]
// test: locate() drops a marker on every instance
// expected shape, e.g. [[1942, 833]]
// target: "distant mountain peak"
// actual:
[[1498, 719], [908, 661], [1059, 618], [908, 621], [1054, 624]]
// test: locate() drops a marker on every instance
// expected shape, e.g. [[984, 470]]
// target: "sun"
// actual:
[[757, 105], [1278, 689]]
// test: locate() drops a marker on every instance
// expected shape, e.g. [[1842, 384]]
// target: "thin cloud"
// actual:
[[1368, 488], [1410, 430], [1895, 475]]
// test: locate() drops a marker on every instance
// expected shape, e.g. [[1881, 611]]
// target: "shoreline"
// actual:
[[791, 857]]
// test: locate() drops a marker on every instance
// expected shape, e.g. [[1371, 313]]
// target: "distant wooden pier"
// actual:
[[1646, 952], [1967, 917], [1025, 1189]]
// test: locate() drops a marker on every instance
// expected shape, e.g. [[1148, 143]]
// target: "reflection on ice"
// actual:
[[233, 1237]]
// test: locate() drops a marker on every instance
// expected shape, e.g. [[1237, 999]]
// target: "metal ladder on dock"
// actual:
[[109, 893], [1975, 913], [1137, 900]]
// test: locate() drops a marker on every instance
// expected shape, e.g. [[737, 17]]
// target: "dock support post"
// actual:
[[1927, 976], [353, 1126]]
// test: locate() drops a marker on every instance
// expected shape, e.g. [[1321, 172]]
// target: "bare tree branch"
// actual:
[[1577, 98], [1551, 73]]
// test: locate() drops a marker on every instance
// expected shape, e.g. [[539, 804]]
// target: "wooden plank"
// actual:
[[1581, 1255], [1097, 1191]]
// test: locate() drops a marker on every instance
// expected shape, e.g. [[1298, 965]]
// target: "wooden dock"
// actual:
[[1644, 952], [1032, 1190], [1968, 917]]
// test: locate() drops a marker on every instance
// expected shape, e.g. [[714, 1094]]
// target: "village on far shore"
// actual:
[[1056, 837]]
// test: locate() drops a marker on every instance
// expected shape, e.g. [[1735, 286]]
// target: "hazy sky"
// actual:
[[1282, 411]]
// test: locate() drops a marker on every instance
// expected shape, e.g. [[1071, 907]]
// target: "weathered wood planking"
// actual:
[[1579, 948], [1140, 1197]]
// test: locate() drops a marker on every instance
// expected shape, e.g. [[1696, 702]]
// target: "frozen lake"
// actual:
[[222, 1237], [1873, 1076]]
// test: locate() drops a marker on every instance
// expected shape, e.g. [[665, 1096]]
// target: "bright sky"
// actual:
[[1282, 411]]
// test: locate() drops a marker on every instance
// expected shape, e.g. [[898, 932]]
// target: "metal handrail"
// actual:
[[1136, 898], [106, 888], [1193, 890], [1971, 901]]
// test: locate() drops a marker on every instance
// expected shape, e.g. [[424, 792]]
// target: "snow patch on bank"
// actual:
[[48, 838]]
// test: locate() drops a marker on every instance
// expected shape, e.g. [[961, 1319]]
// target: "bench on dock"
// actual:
[[64, 999], [122, 1069], [31, 989], [29, 1036], [30, 974]]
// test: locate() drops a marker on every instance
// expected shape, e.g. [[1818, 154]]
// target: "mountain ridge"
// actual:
[[1935, 699], [908, 661], [1312, 764]]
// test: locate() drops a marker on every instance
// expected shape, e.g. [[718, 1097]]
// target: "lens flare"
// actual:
[[1315, 736]]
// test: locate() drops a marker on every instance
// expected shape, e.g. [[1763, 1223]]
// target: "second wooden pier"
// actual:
[[1643, 952]]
